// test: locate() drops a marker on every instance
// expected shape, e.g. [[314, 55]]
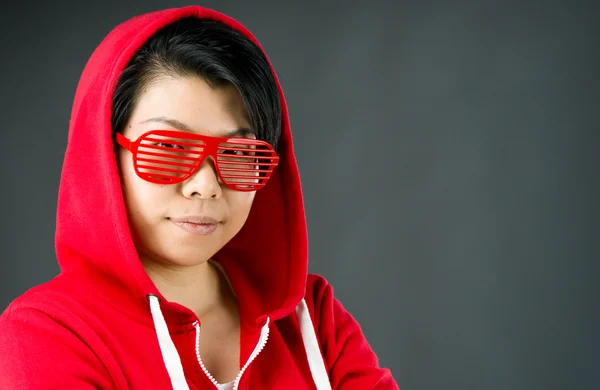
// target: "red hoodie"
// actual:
[[102, 323]]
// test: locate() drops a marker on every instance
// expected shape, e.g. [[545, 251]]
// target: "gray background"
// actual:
[[448, 155]]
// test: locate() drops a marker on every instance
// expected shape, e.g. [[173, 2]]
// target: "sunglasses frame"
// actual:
[[210, 148]]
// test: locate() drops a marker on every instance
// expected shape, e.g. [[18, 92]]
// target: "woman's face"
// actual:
[[178, 104]]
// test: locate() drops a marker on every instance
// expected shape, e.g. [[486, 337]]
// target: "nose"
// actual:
[[204, 182]]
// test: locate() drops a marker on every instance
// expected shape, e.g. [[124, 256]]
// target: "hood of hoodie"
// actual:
[[266, 262]]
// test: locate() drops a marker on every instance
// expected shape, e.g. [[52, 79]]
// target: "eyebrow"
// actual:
[[241, 132]]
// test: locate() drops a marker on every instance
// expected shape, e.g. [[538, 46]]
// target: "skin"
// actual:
[[175, 260]]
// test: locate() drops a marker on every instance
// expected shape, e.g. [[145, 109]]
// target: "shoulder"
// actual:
[[317, 290], [56, 306], [48, 297], [30, 332], [322, 304], [316, 283], [38, 310], [42, 343]]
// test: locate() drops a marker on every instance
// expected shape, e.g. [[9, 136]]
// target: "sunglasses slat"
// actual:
[[170, 140], [174, 163], [161, 169], [246, 157], [153, 146], [173, 151], [170, 156], [249, 163], [245, 170], [169, 177], [246, 177]]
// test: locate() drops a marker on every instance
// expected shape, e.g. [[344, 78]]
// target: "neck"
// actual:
[[201, 288]]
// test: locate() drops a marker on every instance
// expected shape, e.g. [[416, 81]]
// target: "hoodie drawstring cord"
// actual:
[[167, 347], [173, 361], [311, 346]]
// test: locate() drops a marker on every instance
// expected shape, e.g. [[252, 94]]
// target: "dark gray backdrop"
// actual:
[[448, 155]]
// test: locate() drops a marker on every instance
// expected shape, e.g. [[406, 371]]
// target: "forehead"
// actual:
[[191, 102]]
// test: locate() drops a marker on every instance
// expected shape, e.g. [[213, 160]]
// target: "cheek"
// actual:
[[240, 203], [142, 198]]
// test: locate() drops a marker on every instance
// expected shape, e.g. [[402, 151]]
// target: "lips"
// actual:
[[201, 225], [196, 219]]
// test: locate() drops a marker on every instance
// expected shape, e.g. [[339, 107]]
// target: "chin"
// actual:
[[188, 257]]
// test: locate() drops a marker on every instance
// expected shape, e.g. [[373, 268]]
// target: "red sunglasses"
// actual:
[[170, 157]]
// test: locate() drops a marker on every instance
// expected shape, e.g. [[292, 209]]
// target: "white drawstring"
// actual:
[[173, 361], [167, 347], [311, 346]]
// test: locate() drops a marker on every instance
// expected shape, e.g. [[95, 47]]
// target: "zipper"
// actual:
[[262, 342]]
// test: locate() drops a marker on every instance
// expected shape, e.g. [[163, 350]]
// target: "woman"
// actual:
[[181, 233]]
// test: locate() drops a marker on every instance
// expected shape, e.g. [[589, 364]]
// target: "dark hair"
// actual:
[[213, 51]]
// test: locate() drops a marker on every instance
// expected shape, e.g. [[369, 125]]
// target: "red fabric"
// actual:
[[91, 327]]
